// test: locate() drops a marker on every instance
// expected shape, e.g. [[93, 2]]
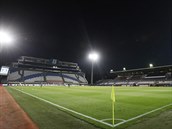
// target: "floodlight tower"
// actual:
[[93, 56], [5, 40]]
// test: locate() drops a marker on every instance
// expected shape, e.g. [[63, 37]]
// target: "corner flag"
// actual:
[[113, 102]]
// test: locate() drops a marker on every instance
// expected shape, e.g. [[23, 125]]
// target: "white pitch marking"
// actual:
[[111, 119], [94, 119], [139, 116], [66, 109]]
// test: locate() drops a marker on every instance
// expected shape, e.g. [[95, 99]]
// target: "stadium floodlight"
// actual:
[[5, 37], [150, 65], [93, 56], [124, 69]]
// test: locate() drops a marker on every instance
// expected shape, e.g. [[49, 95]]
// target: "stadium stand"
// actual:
[[156, 76], [14, 76], [81, 78], [70, 78], [31, 70], [54, 78]]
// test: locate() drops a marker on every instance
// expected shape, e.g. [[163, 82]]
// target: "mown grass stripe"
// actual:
[[66, 109], [94, 119]]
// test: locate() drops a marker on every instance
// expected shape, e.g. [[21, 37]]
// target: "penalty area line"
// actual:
[[65, 109]]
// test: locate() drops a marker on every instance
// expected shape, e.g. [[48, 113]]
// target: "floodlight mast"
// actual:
[[93, 56], [92, 72]]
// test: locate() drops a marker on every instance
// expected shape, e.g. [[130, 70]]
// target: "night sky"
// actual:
[[126, 33]]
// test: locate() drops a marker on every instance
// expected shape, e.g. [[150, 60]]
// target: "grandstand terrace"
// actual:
[[155, 76], [39, 71]]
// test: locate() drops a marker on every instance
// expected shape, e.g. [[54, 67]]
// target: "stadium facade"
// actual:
[[31, 70]]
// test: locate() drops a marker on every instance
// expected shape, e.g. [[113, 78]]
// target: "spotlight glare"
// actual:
[[5, 37], [93, 56]]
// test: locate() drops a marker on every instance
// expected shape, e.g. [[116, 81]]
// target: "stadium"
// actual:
[[44, 82], [39, 71], [30, 70], [85, 65]]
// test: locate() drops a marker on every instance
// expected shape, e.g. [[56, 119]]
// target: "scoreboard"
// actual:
[[4, 70]]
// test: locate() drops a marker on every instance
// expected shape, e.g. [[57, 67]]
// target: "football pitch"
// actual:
[[53, 106]]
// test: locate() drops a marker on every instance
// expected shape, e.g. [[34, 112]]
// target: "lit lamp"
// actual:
[[93, 56], [150, 65], [5, 38]]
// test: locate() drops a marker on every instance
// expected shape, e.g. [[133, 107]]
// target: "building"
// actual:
[[31, 70], [153, 76]]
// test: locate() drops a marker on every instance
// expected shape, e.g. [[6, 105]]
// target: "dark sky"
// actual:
[[126, 33]]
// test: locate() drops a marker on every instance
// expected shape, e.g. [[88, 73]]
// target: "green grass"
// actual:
[[91, 101]]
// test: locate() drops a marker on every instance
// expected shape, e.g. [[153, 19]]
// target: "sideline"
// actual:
[[66, 109], [94, 119], [12, 116]]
